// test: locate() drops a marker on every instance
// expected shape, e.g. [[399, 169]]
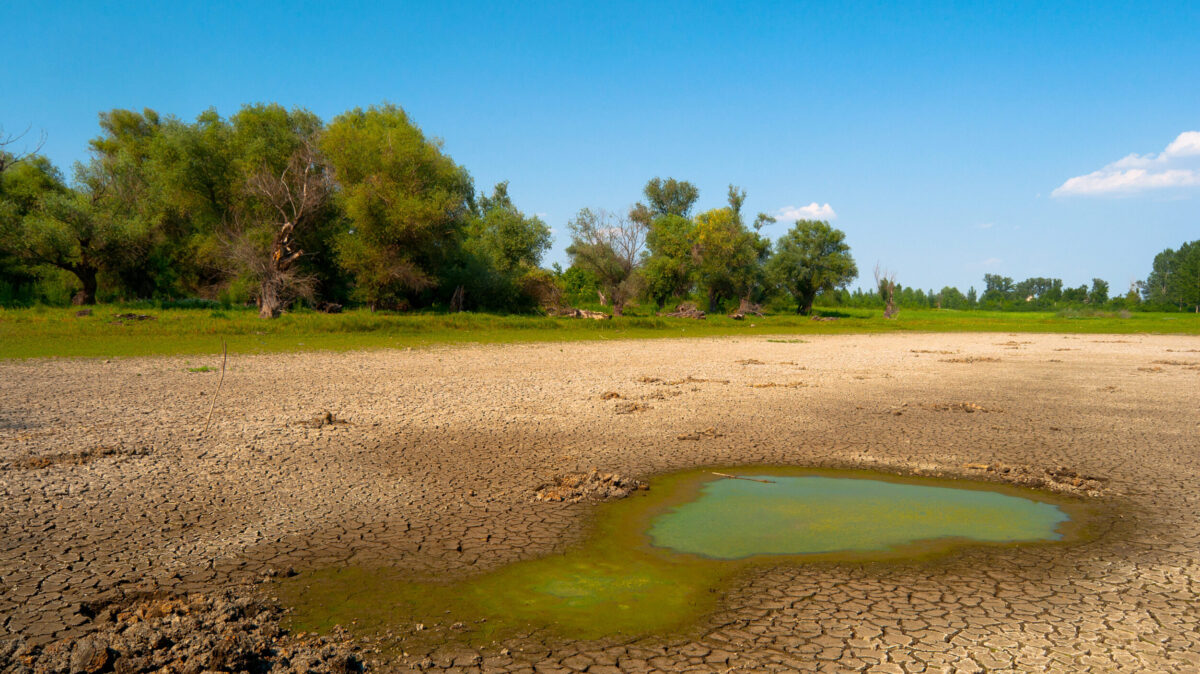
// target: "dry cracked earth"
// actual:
[[110, 491]]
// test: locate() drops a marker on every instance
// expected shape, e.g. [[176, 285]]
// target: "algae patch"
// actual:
[[734, 519], [659, 560]]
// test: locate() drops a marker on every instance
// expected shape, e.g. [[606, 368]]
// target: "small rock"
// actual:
[[89, 656]]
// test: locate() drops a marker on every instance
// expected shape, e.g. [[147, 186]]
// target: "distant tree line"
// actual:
[[278, 208]]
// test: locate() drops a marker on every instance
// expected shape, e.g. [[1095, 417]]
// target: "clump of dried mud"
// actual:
[[1061, 479], [592, 485], [72, 458], [192, 633]]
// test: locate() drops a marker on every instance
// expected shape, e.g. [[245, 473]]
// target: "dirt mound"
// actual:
[[191, 633], [592, 485]]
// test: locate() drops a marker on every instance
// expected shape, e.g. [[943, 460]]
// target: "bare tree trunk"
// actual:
[[268, 300]]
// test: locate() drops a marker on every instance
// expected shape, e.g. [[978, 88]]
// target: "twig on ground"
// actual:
[[739, 477], [224, 357]]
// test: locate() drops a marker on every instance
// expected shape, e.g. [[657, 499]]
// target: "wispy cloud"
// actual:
[[991, 263], [813, 211], [1178, 166], [985, 225]]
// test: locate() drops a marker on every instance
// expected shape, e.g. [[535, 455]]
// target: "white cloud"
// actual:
[[984, 225], [1186, 145], [1178, 166], [992, 262], [813, 211]]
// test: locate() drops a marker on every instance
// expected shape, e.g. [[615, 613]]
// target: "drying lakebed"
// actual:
[[661, 559]]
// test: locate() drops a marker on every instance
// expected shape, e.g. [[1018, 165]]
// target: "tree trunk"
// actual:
[[714, 299], [87, 277], [268, 301]]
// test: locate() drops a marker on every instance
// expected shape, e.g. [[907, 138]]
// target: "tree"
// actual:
[[727, 257], [610, 248], [886, 282], [288, 201], [952, 298], [1099, 292], [670, 197], [669, 232], [1175, 278], [497, 266], [668, 268], [63, 228], [1186, 283], [510, 239], [811, 258], [406, 202], [997, 288]]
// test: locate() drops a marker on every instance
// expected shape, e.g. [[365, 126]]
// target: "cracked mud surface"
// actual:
[[107, 487]]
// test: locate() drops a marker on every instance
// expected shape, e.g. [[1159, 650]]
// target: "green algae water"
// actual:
[[734, 519], [659, 560]]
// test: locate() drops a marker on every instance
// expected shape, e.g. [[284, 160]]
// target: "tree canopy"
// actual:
[[812, 257]]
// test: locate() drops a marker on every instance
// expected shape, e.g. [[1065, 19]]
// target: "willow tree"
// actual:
[[811, 258], [727, 256], [406, 202], [611, 248]]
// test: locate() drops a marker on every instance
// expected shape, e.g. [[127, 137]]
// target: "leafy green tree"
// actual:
[[579, 285], [668, 268], [972, 297], [497, 267], [168, 181], [1186, 283], [24, 181], [812, 257], [407, 203], [953, 298], [505, 235], [1174, 280], [1075, 295], [668, 197], [997, 288], [1099, 293], [63, 227], [1156, 289], [611, 249], [727, 256]]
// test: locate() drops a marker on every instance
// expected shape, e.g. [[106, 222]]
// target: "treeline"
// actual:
[[271, 206], [277, 207]]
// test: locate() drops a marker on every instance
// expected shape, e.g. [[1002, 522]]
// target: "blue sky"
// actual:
[[942, 136]]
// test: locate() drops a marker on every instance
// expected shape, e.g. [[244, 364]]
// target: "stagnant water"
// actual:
[[660, 559], [784, 515]]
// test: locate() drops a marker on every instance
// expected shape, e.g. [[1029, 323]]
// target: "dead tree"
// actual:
[[292, 197], [886, 281]]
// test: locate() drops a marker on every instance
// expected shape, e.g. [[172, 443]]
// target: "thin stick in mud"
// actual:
[[224, 357], [739, 477]]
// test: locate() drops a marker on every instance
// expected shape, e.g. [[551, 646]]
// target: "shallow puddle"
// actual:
[[657, 561], [786, 515]]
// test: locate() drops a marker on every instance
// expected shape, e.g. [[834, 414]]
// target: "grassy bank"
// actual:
[[42, 332]]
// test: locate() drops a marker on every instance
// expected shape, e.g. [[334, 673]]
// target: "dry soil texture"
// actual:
[[108, 487]]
